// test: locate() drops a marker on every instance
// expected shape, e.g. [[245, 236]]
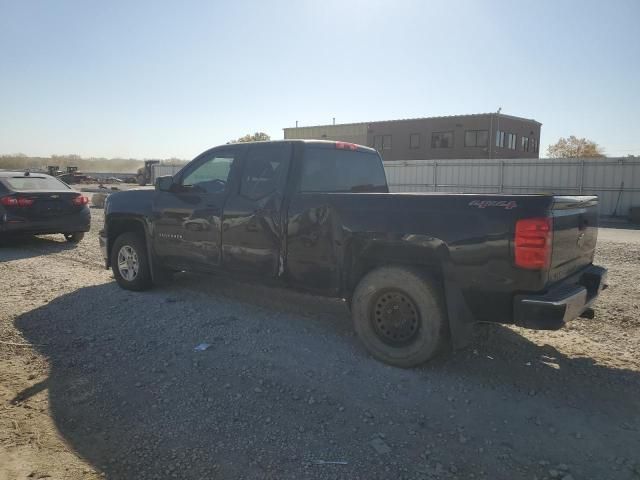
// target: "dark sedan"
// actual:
[[38, 204]]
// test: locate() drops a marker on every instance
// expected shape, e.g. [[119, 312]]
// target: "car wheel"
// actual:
[[74, 237], [130, 263], [399, 315]]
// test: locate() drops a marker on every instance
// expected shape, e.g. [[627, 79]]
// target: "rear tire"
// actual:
[[75, 237], [129, 262], [399, 315]]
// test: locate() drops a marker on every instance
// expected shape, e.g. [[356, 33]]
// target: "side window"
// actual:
[[333, 170], [265, 170], [210, 176]]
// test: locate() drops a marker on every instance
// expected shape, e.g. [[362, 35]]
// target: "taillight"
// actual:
[[9, 201], [17, 201], [80, 200], [346, 146], [533, 243], [25, 202]]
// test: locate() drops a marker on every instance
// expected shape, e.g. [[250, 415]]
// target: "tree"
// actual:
[[256, 137], [573, 147]]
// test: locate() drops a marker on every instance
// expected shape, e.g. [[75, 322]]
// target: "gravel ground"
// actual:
[[106, 383]]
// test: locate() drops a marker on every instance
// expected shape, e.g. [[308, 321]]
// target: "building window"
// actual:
[[506, 140], [414, 141], [476, 138], [525, 144], [534, 145], [382, 142], [442, 140]]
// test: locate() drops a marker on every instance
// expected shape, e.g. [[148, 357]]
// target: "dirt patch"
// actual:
[[109, 383]]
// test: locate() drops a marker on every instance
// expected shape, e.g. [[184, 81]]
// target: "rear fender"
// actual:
[[432, 256], [411, 250]]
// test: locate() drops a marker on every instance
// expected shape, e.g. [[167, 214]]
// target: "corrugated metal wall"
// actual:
[[610, 178]]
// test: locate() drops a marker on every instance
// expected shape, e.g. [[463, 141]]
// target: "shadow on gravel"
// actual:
[[284, 383], [29, 246]]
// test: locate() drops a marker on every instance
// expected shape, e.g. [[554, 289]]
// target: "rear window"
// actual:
[[31, 183], [332, 170]]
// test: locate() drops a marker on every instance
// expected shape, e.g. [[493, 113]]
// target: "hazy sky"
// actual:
[[161, 79]]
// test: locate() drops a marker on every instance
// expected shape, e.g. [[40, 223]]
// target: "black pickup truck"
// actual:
[[417, 269]]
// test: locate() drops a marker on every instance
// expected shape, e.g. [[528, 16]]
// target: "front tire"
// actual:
[[129, 262], [75, 237], [399, 315]]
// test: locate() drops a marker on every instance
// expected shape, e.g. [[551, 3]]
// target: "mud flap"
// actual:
[[156, 271]]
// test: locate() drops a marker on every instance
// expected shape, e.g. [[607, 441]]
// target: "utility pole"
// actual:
[[491, 140], [498, 122]]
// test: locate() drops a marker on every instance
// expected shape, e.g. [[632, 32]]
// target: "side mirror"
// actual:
[[164, 184]]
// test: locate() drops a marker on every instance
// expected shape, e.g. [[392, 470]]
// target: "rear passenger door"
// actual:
[[253, 224]]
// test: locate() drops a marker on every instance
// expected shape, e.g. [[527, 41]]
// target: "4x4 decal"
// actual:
[[506, 204]]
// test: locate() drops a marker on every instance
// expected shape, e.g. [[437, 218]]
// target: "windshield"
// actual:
[[32, 183], [332, 170]]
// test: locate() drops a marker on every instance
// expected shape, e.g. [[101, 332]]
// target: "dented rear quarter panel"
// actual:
[[333, 239]]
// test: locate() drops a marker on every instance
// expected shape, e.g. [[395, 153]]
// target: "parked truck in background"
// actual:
[[145, 173], [416, 269]]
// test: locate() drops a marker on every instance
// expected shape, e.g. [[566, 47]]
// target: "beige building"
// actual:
[[482, 135]]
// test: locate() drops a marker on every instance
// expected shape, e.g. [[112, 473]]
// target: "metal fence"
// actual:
[[615, 180]]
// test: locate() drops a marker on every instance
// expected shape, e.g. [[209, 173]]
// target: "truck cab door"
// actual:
[[187, 220], [253, 227]]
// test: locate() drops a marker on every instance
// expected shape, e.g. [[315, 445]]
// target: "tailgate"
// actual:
[[575, 232]]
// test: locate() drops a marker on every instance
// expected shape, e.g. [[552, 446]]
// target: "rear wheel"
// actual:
[[74, 237], [129, 262], [398, 314]]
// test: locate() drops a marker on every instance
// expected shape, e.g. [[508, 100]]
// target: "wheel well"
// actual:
[[433, 268], [118, 227]]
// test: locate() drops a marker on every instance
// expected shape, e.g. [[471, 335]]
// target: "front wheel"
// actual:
[[130, 263], [75, 237], [398, 314]]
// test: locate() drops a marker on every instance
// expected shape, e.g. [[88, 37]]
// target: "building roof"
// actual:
[[418, 118]]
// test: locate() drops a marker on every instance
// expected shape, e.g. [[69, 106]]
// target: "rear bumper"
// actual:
[[564, 302], [76, 222]]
